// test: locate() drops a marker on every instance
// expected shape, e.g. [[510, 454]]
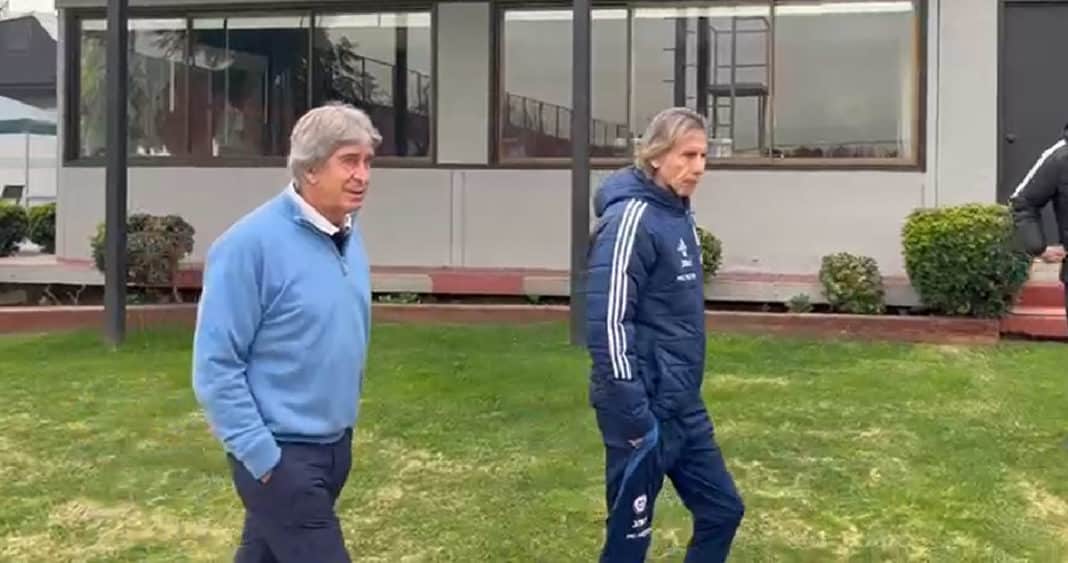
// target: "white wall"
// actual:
[[770, 221], [408, 221], [964, 106]]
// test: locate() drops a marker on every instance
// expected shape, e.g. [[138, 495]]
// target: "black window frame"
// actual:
[[72, 77]]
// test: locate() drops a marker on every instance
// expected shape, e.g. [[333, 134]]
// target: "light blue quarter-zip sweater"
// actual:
[[282, 331]]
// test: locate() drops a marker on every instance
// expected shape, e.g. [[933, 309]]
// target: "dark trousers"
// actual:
[[291, 518], [684, 450]]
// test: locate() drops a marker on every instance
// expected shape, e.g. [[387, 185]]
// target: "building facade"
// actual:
[[831, 121]]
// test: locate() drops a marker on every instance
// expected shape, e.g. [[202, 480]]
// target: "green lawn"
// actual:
[[476, 444]]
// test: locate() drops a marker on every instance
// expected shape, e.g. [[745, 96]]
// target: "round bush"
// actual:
[[963, 260], [711, 253], [154, 247], [14, 223], [853, 284], [43, 226]]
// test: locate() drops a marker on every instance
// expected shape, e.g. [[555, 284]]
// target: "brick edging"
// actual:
[[941, 330], [59, 318], [916, 329]]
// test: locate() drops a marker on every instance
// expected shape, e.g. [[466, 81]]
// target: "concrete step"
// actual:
[[1041, 294], [1036, 322]]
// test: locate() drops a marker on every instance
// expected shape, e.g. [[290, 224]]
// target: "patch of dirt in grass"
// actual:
[[415, 478], [733, 380], [848, 542], [84, 529], [786, 527], [1046, 507], [25, 468], [13, 460]]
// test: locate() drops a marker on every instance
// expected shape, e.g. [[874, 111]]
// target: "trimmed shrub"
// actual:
[[13, 226], [800, 303], [853, 284], [711, 253], [963, 260], [154, 247], [43, 226]]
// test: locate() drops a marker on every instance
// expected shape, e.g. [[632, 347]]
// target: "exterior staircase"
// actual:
[[1039, 312]]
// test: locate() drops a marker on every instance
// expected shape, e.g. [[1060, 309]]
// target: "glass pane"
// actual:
[[92, 90], [380, 63], [845, 79], [536, 105], [247, 84], [156, 111], [731, 46]]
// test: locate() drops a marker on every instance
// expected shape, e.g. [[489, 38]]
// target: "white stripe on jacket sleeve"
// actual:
[[617, 288], [1038, 164]]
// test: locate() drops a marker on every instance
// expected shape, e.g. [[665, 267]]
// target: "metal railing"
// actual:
[[554, 120], [377, 91]]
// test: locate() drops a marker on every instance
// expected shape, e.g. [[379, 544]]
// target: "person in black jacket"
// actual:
[[646, 340], [1045, 182]]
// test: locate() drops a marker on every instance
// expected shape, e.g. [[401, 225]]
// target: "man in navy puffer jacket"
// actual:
[[646, 339]]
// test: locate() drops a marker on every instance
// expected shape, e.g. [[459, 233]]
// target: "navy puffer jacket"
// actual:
[[645, 298]]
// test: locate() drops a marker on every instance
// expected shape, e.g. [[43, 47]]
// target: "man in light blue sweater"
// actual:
[[281, 341]]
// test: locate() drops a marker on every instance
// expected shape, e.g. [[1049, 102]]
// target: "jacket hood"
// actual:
[[631, 182]]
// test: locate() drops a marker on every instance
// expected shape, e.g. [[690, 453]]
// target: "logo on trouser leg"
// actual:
[[639, 504], [642, 534]]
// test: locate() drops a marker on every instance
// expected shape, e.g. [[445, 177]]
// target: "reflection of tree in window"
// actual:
[[156, 107], [91, 85], [236, 86], [380, 63]]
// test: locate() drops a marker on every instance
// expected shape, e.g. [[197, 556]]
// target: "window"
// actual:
[[845, 80], [230, 86], [156, 108], [536, 84], [785, 81], [381, 63], [247, 83], [725, 49]]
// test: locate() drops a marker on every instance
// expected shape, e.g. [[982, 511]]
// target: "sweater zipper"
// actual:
[[329, 241]]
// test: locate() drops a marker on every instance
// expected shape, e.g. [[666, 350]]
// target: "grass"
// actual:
[[477, 444]]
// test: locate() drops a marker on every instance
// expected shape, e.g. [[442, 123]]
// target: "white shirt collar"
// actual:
[[313, 215]]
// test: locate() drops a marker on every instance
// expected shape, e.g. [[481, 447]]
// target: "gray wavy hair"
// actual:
[[666, 128], [321, 131]]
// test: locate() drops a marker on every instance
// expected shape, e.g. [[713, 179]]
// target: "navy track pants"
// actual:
[[684, 449]]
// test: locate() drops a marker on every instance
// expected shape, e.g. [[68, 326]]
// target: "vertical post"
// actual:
[[115, 205], [704, 52], [26, 173], [400, 91], [734, 79], [680, 61], [580, 165]]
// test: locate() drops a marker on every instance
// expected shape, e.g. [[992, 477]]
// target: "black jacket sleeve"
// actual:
[[1033, 194]]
